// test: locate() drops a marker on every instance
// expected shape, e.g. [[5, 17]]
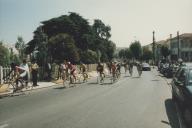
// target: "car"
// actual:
[[146, 67], [182, 91]]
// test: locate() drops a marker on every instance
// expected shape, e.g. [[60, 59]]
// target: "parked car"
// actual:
[[182, 91], [146, 67]]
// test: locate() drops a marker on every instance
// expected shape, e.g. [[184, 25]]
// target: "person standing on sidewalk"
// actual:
[[34, 72]]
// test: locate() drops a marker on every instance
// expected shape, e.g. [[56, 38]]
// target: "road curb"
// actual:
[[6, 94]]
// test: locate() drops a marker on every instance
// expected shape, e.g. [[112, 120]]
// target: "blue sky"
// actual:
[[129, 19]]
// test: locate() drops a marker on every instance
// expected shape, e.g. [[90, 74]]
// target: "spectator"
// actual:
[[24, 69], [34, 72]]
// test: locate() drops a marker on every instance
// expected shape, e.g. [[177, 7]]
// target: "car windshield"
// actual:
[[190, 77]]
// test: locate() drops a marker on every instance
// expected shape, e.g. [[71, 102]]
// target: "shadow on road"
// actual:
[[127, 76], [135, 77], [171, 114], [60, 87], [92, 83], [155, 80]]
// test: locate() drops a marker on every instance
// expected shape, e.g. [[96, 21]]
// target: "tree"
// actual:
[[128, 54], [20, 46], [89, 57], [147, 54], [165, 51], [101, 30], [136, 50], [122, 53], [62, 47], [4, 55], [86, 37]]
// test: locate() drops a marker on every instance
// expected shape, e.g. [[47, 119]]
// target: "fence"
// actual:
[[4, 71]]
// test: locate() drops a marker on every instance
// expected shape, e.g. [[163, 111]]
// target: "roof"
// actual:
[[184, 35]]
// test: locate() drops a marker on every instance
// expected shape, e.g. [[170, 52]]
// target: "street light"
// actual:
[[178, 40], [153, 48]]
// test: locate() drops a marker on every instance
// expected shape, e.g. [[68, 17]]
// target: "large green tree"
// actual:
[[136, 49], [165, 51], [147, 54], [4, 55], [62, 47], [20, 46], [86, 37]]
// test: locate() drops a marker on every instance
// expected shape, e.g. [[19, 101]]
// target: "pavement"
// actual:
[[5, 90], [131, 102]]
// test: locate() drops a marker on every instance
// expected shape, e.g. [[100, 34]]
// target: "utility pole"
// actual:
[[178, 45], [153, 47]]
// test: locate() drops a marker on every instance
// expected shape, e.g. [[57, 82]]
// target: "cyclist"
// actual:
[[125, 66], [139, 68], [100, 70], [118, 70], [72, 69], [131, 68], [83, 70], [109, 66], [113, 69], [24, 73], [64, 71]]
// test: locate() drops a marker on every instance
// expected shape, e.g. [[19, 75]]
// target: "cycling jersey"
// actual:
[[113, 68], [100, 68]]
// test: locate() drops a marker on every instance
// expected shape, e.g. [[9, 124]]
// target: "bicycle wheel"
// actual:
[[85, 77], [102, 78], [17, 86]]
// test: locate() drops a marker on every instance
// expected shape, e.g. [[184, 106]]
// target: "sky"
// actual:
[[129, 19]]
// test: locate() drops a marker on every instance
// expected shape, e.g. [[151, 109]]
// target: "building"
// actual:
[[181, 47]]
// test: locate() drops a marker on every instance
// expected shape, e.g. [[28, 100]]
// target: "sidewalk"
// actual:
[[4, 89]]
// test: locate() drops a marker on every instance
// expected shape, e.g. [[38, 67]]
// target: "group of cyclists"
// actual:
[[69, 72], [114, 68]]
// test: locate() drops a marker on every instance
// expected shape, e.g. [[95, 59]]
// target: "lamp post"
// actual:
[[153, 48], [178, 45]]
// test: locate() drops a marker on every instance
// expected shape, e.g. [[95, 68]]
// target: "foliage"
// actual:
[[165, 51], [20, 46], [125, 54], [89, 57], [4, 55], [85, 38], [128, 54], [62, 46], [136, 49], [147, 54]]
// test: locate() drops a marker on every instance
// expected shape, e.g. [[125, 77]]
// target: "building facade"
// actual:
[[181, 47]]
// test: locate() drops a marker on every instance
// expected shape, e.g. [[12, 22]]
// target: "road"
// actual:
[[131, 102]]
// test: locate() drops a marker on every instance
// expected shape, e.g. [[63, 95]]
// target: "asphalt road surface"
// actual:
[[131, 102]]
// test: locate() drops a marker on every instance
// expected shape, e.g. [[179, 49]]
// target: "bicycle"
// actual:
[[85, 77], [114, 77], [64, 78], [130, 71], [100, 78], [17, 83]]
